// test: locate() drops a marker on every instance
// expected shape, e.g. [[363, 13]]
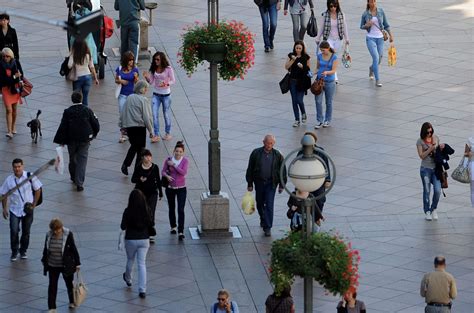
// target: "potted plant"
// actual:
[[230, 44], [325, 257]]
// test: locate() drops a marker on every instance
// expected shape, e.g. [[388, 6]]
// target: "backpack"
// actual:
[[40, 200], [231, 307]]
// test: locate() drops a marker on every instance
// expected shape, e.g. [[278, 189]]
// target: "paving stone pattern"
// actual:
[[376, 201]]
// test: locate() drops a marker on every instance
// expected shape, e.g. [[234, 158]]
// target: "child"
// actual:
[[295, 213]]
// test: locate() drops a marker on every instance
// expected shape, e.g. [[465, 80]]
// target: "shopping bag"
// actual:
[[312, 27], [248, 203], [392, 55], [461, 173], [59, 163], [79, 290], [121, 240]]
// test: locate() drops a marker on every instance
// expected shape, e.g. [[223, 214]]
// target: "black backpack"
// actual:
[[40, 200]]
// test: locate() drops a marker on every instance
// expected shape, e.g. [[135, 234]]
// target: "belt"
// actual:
[[160, 95], [439, 304]]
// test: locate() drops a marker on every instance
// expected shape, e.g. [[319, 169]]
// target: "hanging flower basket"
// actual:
[[324, 257], [230, 44]]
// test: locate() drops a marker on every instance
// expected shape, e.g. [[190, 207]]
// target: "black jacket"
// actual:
[[70, 254], [79, 124], [292, 201], [136, 227], [441, 158], [253, 168], [152, 184]]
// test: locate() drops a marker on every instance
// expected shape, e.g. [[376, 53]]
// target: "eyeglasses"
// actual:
[[221, 299]]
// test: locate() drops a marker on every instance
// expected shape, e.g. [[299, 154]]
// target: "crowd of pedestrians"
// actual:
[[138, 115]]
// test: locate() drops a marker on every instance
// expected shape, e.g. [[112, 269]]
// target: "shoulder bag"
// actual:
[[312, 28], [318, 85], [461, 173], [64, 70], [384, 32], [26, 87], [285, 83]]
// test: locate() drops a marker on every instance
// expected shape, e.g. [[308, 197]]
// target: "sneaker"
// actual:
[[318, 125], [142, 295], [173, 231], [128, 282], [435, 215], [155, 139], [181, 236], [52, 311], [378, 83], [14, 257], [152, 239], [304, 118], [271, 45], [72, 306], [23, 256], [167, 137], [326, 124], [296, 124], [122, 139], [428, 216], [371, 73]]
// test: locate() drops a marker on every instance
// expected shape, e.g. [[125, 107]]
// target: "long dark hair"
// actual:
[[367, 8], [137, 209], [285, 293], [336, 3], [164, 63], [326, 45], [301, 43], [79, 51], [126, 57], [424, 130]]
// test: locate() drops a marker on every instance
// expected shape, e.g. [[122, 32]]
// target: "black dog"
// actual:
[[35, 127]]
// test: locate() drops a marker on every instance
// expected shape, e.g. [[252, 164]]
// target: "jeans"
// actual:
[[429, 178], [137, 137], [269, 24], [121, 102], [437, 309], [329, 90], [300, 22], [129, 38], [22, 244], [375, 46], [180, 194], [53, 286], [265, 197], [138, 248], [83, 83], [155, 105], [297, 99], [78, 153]]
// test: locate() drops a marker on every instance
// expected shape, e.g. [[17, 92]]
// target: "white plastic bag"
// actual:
[[59, 164], [248, 203], [121, 241]]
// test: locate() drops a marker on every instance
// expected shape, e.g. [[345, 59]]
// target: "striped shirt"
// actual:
[[55, 258]]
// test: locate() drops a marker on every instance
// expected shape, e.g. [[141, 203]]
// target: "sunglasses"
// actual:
[[221, 299], [332, 6]]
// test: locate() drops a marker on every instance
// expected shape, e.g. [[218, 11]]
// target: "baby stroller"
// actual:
[[96, 40]]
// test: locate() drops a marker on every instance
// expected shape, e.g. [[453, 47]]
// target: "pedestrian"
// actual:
[[326, 67], [79, 126], [296, 207], [126, 75], [298, 65], [224, 304], [80, 62], [375, 22], [136, 117], [146, 178], [10, 76], [300, 13], [426, 145], [438, 288], [175, 169], [469, 153], [349, 303], [282, 303], [19, 206], [9, 38], [269, 15], [81, 9], [60, 256], [138, 226], [263, 171], [129, 18], [161, 77], [333, 28]]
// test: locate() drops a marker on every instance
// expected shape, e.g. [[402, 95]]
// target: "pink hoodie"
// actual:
[[161, 82]]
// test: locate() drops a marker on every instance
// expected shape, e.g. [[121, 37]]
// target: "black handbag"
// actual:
[[312, 28], [64, 71], [285, 83]]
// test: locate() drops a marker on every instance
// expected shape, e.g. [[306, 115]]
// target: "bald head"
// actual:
[[268, 142]]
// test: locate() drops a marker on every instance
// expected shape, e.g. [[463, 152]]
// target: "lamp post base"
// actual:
[[215, 215]]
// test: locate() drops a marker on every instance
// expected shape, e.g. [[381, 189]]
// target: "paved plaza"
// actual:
[[377, 197]]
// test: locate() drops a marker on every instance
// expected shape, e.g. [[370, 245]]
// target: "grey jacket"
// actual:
[[129, 10], [137, 113]]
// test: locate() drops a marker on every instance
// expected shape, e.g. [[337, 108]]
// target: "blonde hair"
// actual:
[[9, 52], [55, 223]]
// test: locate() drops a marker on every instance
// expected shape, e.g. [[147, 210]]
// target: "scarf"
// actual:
[[327, 25]]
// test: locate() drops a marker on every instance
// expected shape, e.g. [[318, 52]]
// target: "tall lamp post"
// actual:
[[308, 172]]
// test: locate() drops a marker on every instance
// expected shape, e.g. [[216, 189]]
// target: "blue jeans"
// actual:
[[375, 46], [15, 242], [297, 99], [121, 102], [328, 91], [83, 83], [300, 22], [265, 197], [155, 106], [429, 178], [269, 23], [138, 248]]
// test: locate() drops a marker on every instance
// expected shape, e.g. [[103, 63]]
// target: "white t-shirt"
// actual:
[[17, 200], [375, 31]]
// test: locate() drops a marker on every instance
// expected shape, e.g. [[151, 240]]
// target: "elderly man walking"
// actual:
[[263, 171], [438, 288]]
